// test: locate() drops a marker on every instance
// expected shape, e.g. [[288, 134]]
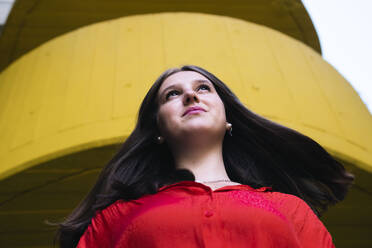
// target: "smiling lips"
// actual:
[[193, 110]]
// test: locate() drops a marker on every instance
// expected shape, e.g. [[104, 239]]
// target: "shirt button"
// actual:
[[208, 213]]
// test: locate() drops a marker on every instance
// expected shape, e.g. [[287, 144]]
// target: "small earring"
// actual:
[[229, 128], [160, 139]]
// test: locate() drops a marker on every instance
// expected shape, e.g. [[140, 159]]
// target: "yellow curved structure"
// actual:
[[83, 89], [74, 96]]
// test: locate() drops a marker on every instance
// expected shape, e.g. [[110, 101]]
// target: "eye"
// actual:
[[171, 93], [204, 87]]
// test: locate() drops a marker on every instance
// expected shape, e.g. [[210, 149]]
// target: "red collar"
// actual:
[[224, 188]]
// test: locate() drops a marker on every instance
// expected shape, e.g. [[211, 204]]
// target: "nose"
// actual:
[[190, 97]]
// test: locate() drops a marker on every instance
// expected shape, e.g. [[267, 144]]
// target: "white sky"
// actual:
[[5, 6], [345, 33]]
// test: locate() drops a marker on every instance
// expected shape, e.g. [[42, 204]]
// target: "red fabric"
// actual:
[[190, 215]]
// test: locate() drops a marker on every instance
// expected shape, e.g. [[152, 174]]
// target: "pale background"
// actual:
[[345, 33]]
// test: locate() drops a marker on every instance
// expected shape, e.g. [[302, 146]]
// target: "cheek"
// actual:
[[221, 110], [160, 119], [165, 116]]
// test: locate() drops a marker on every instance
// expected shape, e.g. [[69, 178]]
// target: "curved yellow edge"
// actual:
[[83, 89]]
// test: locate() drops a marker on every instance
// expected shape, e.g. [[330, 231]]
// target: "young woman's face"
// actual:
[[189, 105]]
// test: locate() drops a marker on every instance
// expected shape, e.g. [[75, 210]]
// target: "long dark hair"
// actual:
[[260, 153]]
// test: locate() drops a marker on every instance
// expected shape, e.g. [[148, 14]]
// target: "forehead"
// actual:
[[181, 77]]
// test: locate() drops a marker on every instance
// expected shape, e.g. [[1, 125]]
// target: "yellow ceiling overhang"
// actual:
[[33, 22]]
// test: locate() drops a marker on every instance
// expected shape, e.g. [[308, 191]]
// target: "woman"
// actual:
[[183, 178]]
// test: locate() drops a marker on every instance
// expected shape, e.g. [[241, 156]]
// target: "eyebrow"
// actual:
[[195, 81]]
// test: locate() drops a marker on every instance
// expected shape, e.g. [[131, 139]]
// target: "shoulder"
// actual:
[[309, 228], [296, 210], [108, 217], [103, 227], [288, 202], [115, 212]]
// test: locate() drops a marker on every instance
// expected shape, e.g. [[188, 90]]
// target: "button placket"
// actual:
[[209, 211]]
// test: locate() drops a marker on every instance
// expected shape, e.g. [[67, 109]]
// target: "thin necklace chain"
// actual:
[[215, 181]]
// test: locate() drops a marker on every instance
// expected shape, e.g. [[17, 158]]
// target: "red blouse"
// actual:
[[189, 214]]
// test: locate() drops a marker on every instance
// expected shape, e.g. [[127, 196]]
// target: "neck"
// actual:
[[205, 163]]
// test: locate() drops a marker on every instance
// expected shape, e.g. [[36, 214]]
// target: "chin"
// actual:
[[201, 129]]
